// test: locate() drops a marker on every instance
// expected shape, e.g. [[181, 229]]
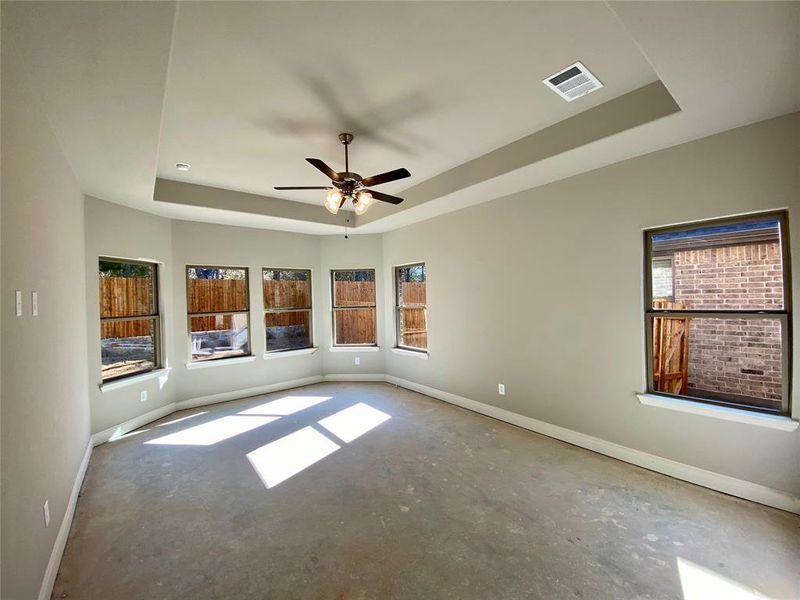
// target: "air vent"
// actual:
[[573, 82]]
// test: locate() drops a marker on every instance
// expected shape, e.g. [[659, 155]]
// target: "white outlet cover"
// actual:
[[357, 360], [47, 513], [35, 303], [143, 396], [501, 389], [18, 299]]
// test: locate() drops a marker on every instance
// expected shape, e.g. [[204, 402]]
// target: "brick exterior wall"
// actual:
[[733, 356]]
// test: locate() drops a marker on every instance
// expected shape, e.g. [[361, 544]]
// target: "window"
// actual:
[[287, 309], [218, 307], [717, 312], [129, 320], [411, 313], [354, 312]]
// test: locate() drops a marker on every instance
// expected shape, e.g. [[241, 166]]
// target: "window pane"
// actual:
[[219, 336], [730, 360], [127, 347], [737, 266], [413, 328], [216, 289], [288, 330], [411, 282], [126, 289], [287, 289], [354, 288], [354, 326]]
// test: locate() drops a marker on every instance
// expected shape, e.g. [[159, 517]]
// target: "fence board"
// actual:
[[217, 295], [354, 293], [125, 296], [286, 293], [671, 350]]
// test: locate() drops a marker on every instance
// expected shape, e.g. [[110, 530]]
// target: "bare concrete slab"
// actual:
[[372, 491]]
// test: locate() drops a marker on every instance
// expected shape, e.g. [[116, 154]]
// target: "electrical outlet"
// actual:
[[47, 513], [18, 299], [501, 389], [35, 304], [357, 360], [143, 396]]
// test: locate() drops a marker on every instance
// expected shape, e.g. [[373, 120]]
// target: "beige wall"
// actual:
[[355, 252], [204, 244], [45, 409], [116, 231], [542, 291]]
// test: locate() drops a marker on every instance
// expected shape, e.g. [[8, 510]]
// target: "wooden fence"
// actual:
[[217, 295], [133, 296], [670, 350], [354, 293], [126, 297], [355, 325], [286, 294]]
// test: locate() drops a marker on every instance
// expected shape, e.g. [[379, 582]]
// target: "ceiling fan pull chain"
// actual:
[[345, 227]]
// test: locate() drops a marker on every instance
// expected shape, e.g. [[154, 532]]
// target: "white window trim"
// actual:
[[354, 349], [204, 364], [423, 354], [133, 379], [725, 413], [288, 353]]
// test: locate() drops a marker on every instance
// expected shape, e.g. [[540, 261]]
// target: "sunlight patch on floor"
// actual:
[[351, 423], [286, 406], [279, 460], [699, 583], [212, 432]]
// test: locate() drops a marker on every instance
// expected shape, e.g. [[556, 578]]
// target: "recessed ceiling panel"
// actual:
[[255, 88]]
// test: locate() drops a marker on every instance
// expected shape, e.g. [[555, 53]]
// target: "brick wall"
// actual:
[[732, 356]]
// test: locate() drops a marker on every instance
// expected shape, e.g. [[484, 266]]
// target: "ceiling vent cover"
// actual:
[[573, 82]]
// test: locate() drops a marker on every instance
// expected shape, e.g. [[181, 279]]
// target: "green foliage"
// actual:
[[110, 268]]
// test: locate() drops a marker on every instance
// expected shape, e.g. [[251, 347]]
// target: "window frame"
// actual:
[[398, 306], [335, 309], [309, 309], [783, 315], [155, 317], [189, 314]]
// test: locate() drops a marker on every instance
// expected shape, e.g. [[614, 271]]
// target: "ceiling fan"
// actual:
[[351, 186]]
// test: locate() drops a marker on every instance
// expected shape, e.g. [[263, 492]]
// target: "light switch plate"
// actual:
[[35, 303], [143, 396], [47, 513], [18, 295]]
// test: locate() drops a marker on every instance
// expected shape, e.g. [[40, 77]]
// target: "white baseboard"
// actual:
[[709, 479], [246, 392], [355, 377], [46, 589], [131, 424]]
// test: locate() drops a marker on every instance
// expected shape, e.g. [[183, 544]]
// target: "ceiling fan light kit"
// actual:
[[348, 186]]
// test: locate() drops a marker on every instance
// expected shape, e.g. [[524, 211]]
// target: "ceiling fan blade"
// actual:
[[301, 187], [386, 177], [385, 197], [332, 175]]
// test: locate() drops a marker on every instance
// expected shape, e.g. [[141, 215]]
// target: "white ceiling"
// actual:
[[246, 91], [255, 89]]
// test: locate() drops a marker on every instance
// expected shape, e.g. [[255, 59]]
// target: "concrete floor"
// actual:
[[435, 502]]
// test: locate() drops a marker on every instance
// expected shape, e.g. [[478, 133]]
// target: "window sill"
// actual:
[[354, 349], [421, 354], [133, 380], [720, 412], [289, 353], [219, 362]]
